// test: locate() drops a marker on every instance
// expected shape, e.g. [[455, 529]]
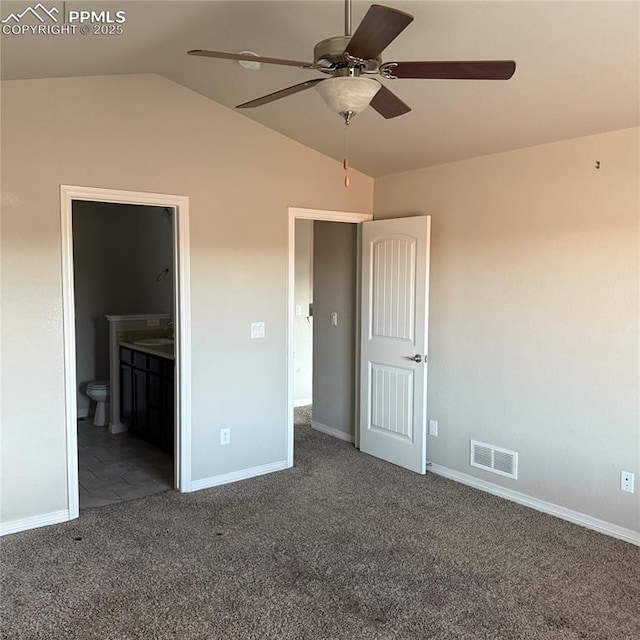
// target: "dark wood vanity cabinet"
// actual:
[[146, 396], [126, 393]]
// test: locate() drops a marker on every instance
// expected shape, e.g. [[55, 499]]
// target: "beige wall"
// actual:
[[534, 290], [334, 289], [145, 133], [534, 314]]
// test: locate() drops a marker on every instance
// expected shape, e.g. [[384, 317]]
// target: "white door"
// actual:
[[393, 368]]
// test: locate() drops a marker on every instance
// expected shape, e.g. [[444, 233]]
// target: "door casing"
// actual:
[[296, 213], [182, 318]]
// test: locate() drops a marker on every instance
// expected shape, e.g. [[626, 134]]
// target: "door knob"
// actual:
[[416, 358]]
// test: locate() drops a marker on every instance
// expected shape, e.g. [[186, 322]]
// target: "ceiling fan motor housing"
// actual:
[[329, 55]]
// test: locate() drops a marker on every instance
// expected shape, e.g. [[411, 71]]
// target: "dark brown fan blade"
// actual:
[[379, 27], [283, 93], [463, 70], [388, 105], [242, 56]]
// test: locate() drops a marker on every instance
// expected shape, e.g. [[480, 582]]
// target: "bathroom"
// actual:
[[124, 294]]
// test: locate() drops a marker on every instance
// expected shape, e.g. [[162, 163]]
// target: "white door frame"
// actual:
[[182, 317], [296, 213]]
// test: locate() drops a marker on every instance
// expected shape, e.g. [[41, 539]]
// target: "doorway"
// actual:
[[391, 341], [298, 315], [177, 209], [124, 295]]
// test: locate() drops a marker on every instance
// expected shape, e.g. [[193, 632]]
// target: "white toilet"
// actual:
[[99, 391]]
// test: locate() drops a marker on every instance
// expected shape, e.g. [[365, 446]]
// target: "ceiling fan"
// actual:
[[350, 59]]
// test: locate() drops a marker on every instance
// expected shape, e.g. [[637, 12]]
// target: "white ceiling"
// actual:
[[578, 69]]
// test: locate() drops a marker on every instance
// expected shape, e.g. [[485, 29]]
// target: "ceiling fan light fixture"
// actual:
[[348, 95], [348, 57]]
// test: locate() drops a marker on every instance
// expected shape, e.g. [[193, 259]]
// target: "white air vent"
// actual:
[[494, 459]]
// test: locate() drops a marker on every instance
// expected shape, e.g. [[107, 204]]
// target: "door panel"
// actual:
[[140, 402], [392, 400], [395, 277], [393, 303], [126, 394]]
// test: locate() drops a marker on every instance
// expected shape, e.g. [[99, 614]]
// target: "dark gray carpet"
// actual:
[[342, 546], [302, 415]]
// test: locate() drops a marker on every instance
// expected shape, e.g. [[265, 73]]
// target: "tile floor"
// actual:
[[114, 468]]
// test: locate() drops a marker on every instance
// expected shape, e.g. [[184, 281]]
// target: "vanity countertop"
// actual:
[[162, 350]]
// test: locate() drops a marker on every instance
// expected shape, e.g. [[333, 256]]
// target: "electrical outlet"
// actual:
[[334, 318], [225, 436], [627, 481], [433, 428]]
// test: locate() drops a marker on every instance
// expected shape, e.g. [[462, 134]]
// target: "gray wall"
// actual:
[[334, 289], [533, 327], [303, 324], [118, 252]]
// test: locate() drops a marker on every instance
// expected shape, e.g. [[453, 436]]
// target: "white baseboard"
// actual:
[[331, 431], [234, 476], [14, 526], [582, 519], [303, 403]]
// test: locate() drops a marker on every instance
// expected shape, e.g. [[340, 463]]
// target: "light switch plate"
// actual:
[[433, 428], [257, 330], [334, 318]]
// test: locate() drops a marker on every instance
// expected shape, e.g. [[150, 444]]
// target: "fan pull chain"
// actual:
[[345, 164]]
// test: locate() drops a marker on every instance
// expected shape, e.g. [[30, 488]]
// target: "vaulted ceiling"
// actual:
[[577, 71]]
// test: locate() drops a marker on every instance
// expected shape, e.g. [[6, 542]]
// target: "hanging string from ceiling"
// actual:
[[345, 163]]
